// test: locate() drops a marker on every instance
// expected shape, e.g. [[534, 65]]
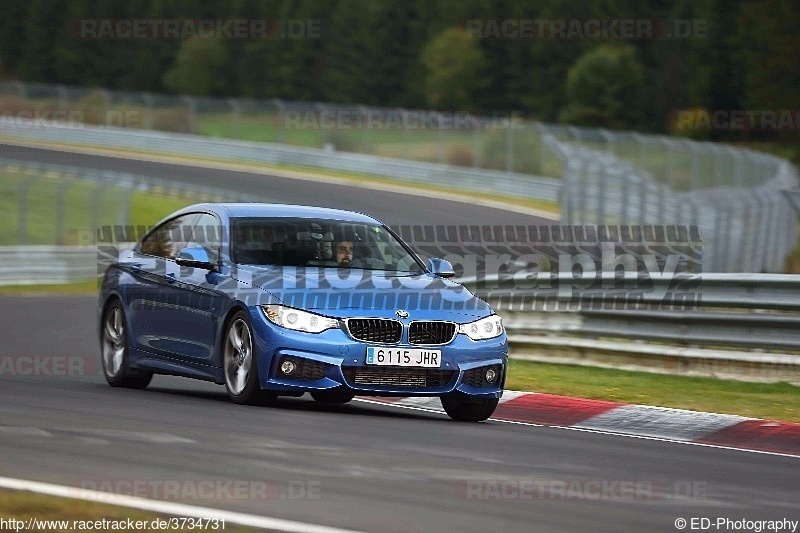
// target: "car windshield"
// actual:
[[304, 242]]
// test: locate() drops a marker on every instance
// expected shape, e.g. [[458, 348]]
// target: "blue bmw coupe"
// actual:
[[279, 300]]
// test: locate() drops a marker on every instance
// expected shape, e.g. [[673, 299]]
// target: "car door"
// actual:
[[157, 294], [198, 301]]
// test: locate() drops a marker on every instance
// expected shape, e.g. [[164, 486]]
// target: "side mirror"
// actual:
[[441, 268], [196, 257]]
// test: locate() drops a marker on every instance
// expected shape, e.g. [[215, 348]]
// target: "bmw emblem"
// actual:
[[402, 313]]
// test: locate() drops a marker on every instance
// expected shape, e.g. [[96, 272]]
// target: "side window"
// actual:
[[207, 233], [170, 237]]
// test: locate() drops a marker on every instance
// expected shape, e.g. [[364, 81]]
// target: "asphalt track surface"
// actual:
[[358, 466], [390, 207]]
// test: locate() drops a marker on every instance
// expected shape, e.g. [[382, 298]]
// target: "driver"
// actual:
[[343, 253]]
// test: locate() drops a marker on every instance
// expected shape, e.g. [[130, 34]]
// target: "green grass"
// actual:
[[147, 208], [24, 505], [456, 146], [88, 286], [776, 401]]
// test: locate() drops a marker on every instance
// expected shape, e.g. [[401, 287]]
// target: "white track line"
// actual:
[[587, 430], [168, 508]]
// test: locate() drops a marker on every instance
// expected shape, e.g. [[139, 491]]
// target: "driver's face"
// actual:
[[344, 253]]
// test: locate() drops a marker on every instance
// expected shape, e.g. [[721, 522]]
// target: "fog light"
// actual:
[[491, 375], [288, 367]]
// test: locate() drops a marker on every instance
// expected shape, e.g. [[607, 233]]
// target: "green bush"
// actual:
[[525, 150], [175, 119], [460, 155]]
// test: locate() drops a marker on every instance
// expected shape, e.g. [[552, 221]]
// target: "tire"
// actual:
[[239, 363], [469, 410], [332, 396], [114, 348]]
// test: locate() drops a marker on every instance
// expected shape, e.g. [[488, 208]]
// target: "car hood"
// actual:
[[355, 292]]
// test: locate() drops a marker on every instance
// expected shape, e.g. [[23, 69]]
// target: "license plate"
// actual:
[[404, 357]]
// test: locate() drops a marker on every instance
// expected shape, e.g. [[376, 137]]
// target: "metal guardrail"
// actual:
[[751, 322], [37, 265], [661, 323], [555, 291]]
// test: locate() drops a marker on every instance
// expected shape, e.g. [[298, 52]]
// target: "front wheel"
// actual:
[[240, 365], [114, 351], [466, 409]]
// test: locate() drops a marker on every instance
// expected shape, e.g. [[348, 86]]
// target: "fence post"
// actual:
[[22, 90], [640, 144], [191, 107], [23, 206], [60, 208], [717, 155], [148, 121], [106, 105], [236, 112], [669, 145], [440, 138], [62, 97], [602, 188], [509, 146], [626, 195], [695, 166], [736, 159], [609, 138], [365, 131], [326, 136], [477, 141]]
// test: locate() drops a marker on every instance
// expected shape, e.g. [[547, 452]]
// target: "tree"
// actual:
[[605, 88], [197, 67], [772, 76], [455, 70]]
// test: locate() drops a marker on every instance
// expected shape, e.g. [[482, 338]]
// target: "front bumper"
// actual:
[[334, 360]]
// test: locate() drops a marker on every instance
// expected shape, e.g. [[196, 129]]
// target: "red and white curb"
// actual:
[[729, 431]]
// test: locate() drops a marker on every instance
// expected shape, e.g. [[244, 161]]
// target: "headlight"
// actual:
[[298, 320], [485, 328]]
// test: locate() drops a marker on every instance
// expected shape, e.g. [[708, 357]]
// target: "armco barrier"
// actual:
[[747, 327]]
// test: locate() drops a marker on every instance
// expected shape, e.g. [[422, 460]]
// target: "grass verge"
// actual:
[[24, 505], [88, 286], [776, 401]]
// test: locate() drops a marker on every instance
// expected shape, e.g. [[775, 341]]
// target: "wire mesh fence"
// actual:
[[733, 195], [46, 204]]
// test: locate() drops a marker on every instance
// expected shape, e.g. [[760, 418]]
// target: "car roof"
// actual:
[[235, 210]]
